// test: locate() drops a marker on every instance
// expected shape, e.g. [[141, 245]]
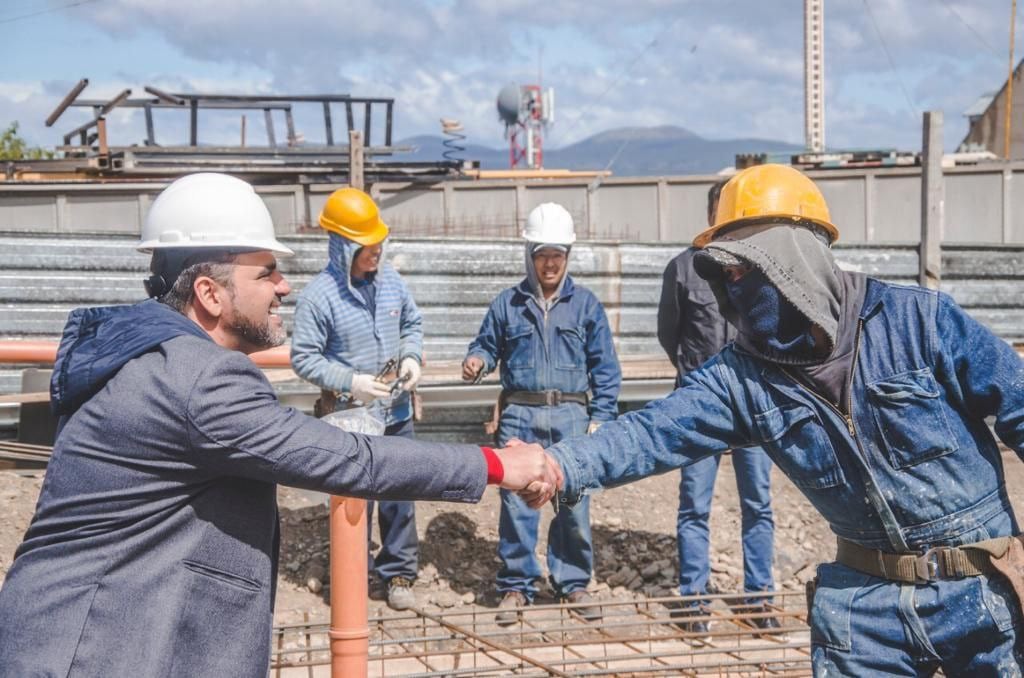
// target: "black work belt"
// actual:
[[548, 398], [935, 564]]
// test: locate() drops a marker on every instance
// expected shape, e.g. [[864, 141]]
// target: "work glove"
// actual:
[[410, 373], [594, 425], [366, 388]]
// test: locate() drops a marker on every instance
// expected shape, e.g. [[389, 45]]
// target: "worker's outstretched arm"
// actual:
[[695, 421]]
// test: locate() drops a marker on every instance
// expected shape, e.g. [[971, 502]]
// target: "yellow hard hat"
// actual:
[[769, 191], [352, 214]]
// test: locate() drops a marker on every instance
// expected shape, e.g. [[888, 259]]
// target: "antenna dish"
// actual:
[[509, 103]]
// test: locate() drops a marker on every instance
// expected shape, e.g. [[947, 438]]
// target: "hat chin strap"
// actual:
[[156, 286]]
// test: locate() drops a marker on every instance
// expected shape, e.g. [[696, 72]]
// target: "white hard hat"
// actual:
[[551, 224], [209, 210]]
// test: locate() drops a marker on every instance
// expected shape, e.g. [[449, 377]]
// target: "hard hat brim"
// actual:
[[376, 234], [708, 235], [255, 245]]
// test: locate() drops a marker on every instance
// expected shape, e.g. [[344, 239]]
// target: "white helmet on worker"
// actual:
[[210, 211], [550, 224], [203, 217]]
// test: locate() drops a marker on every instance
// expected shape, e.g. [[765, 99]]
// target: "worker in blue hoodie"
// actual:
[[560, 377], [359, 336], [153, 550]]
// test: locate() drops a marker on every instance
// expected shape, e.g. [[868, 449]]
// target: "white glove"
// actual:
[[410, 367], [367, 389], [594, 425]]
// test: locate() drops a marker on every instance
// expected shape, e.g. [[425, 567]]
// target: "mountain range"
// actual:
[[645, 151]]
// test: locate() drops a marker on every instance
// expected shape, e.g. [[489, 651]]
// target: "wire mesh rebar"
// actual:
[[644, 637]]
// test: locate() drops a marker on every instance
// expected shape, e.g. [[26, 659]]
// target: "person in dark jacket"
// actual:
[[872, 398], [154, 547], [691, 330]]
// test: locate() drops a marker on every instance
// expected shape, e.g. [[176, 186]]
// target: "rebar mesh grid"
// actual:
[[634, 638]]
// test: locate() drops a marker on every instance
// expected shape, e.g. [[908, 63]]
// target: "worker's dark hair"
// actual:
[[175, 273], [714, 192]]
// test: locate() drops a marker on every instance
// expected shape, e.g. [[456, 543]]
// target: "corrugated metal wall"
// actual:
[[453, 281]]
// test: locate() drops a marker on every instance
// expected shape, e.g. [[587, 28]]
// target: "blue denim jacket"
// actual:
[[913, 466], [572, 351]]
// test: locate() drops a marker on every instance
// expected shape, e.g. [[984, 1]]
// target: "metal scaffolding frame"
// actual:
[[635, 638], [86, 150]]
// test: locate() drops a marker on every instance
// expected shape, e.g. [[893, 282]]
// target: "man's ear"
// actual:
[[209, 295]]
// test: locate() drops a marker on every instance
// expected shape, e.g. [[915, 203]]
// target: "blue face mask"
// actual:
[[770, 318]]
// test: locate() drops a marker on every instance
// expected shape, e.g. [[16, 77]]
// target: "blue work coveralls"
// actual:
[[569, 349], [913, 466]]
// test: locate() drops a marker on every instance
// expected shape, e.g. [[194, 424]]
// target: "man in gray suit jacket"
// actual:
[[153, 550]]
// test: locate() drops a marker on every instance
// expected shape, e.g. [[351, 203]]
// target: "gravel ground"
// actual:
[[634, 542]]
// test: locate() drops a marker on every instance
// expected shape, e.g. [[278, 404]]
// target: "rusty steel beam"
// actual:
[[66, 101]]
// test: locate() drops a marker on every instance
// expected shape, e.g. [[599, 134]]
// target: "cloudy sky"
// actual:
[[720, 68]]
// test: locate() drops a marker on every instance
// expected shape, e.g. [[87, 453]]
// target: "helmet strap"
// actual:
[[156, 286], [166, 265]]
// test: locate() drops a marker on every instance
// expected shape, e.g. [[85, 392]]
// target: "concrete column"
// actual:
[[592, 212], [1007, 206], [869, 207], [664, 227], [355, 160], [933, 199]]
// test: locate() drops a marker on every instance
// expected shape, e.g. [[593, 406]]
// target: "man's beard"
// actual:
[[259, 335]]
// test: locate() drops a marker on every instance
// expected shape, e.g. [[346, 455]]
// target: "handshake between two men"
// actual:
[[530, 472]]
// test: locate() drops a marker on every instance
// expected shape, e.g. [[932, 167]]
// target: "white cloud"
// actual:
[[732, 68]]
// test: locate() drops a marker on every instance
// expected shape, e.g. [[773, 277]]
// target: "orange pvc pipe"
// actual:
[[36, 352], [279, 356], [45, 353], [350, 630]]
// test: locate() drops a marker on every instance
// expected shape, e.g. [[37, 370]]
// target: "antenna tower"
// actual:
[[814, 75], [526, 111]]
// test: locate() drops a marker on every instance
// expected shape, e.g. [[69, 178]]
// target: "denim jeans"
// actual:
[[862, 625], [399, 544], [570, 555], [696, 487]]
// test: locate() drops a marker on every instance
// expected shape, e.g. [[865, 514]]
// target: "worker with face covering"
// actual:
[[872, 399], [560, 377]]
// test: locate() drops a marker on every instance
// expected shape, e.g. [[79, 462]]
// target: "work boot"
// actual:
[[769, 622], [589, 609], [510, 608], [687, 624], [400, 595]]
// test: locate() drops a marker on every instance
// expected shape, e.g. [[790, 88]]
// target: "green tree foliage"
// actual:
[[13, 147]]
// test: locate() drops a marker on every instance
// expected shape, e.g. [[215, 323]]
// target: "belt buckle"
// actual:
[[927, 567], [552, 398]]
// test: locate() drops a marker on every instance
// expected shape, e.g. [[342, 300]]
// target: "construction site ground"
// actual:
[[452, 632]]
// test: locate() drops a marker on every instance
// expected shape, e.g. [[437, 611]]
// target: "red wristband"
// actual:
[[495, 471]]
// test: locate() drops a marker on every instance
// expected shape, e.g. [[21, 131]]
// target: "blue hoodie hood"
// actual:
[[97, 342]]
